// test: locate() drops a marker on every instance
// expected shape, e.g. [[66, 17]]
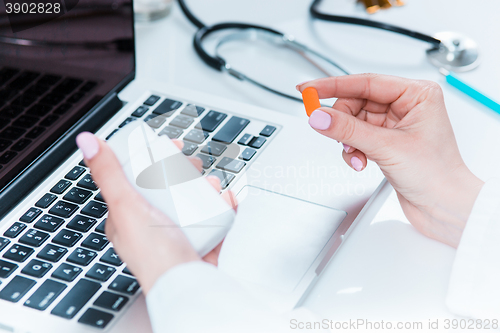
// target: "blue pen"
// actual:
[[466, 89]]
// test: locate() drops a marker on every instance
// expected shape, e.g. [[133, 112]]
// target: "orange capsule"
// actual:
[[311, 100]]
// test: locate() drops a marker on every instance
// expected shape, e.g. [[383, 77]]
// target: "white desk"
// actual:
[[385, 269]]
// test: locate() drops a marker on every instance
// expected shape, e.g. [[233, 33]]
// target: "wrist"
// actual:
[[456, 196]]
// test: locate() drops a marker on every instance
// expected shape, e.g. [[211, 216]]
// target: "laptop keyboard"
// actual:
[[56, 257], [30, 102]]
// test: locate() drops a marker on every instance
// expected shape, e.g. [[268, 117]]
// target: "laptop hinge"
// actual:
[[57, 154]]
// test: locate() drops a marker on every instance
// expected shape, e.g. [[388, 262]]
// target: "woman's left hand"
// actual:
[[148, 251]]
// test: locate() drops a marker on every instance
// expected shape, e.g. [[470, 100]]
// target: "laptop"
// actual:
[[72, 69]]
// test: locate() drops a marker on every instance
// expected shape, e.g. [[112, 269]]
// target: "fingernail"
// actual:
[[346, 147], [356, 163], [88, 144], [320, 120], [298, 86]]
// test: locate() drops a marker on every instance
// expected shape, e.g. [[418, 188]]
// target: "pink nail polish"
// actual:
[[346, 148], [88, 144], [320, 120], [356, 163], [298, 86]]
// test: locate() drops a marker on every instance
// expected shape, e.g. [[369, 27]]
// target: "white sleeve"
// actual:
[[197, 297], [474, 288]]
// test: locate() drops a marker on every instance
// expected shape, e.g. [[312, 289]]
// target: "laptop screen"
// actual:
[[58, 59]]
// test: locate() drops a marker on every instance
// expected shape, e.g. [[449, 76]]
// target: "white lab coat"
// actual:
[[196, 297]]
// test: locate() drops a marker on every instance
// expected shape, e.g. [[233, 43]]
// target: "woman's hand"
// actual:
[[403, 126], [148, 251]]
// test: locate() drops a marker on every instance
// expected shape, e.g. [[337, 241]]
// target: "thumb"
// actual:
[[348, 129], [105, 169]]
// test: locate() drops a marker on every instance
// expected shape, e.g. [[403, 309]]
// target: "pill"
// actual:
[[311, 100]]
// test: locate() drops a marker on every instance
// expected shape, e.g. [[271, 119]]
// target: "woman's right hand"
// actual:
[[403, 126]]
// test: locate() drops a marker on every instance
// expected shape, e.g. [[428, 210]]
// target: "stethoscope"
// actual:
[[450, 51]]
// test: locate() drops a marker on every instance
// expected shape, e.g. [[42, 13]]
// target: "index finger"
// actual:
[[378, 88]]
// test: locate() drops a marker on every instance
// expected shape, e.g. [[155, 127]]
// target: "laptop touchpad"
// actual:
[[276, 238]]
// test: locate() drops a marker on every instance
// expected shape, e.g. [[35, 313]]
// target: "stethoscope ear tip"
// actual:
[[456, 53]]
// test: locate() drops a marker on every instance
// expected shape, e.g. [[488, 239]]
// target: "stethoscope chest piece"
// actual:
[[456, 53]]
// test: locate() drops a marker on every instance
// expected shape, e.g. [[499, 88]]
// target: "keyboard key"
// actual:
[[127, 271], [16, 289], [76, 298], [77, 195], [141, 110], [67, 272], [39, 110], [95, 209], [81, 256], [229, 164], [155, 121], [49, 120], [82, 163], [49, 80], [245, 139], [101, 226], [211, 121], [4, 144], [37, 90], [6, 268], [67, 238], [88, 183], [151, 100], [96, 318], [49, 223], [36, 268], [61, 186], [167, 107], [111, 134], [110, 257], [25, 121], [207, 160], [126, 121], [125, 285], [182, 121], [225, 177], [268, 130], [189, 148], [99, 197], [214, 148], [46, 200], [62, 109], [111, 301], [75, 173], [196, 136], [11, 133], [34, 237], [21, 144], [95, 242], [30, 215], [75, 97], [100, 272], [18, 253], [247, 154], [257, 142], [193, 111], [231, 130], [63, 209], [52, 253], [7, 157], [45, 295], [15, 230], [171, 132], [35, 132], [3, 243], [88, 86], [81, 223]]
